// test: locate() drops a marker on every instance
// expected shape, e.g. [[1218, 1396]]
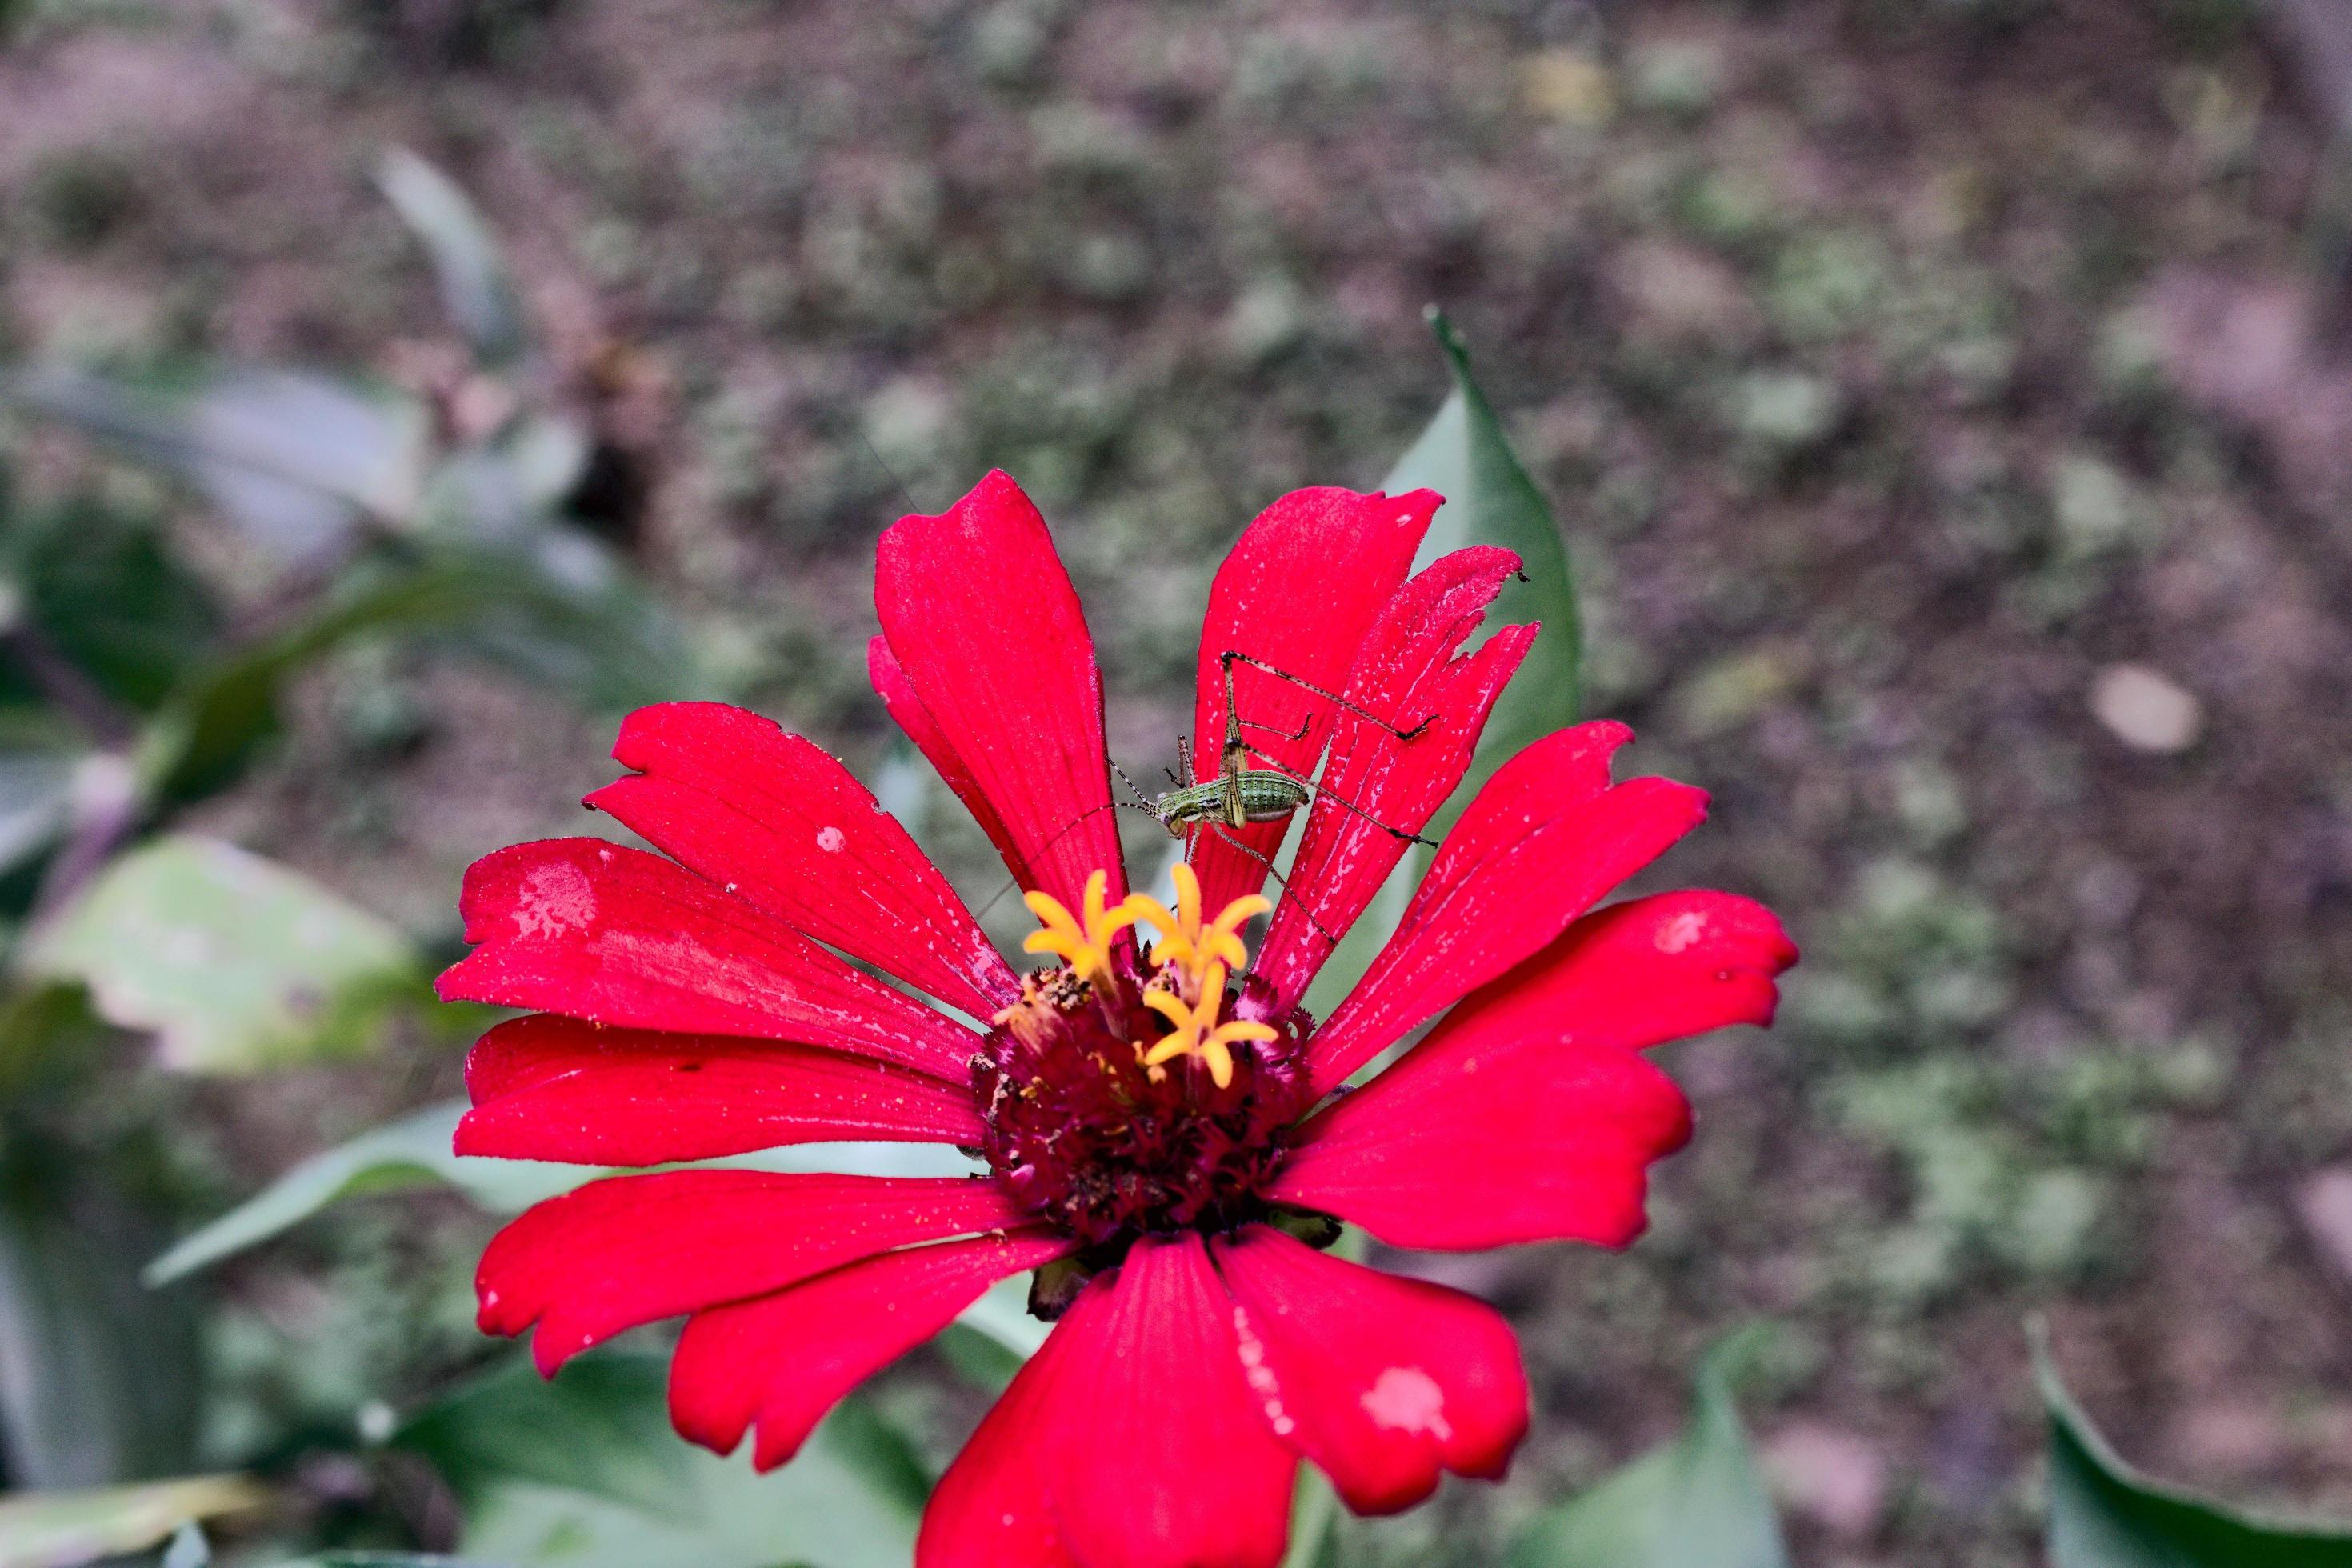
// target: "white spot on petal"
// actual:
[[554, 898], [831, 839], [1258, 1375], [1407, 1399], [1682, 931]]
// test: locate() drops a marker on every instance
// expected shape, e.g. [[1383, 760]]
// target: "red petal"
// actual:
[[1383, 1382], [1641, 973], [1299, 590], [784, 1359], [550, 1087], [1546, 838], [1409, 667], [908, 710], [1479, 1138], [1161, 1455], [728, 794], [594, 930], [633, 1249], [988, 633], [990, 1510]]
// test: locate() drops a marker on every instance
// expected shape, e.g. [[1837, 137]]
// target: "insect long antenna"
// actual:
[[1280, 881], [1142, 799], [1061, 833], [892, 474]]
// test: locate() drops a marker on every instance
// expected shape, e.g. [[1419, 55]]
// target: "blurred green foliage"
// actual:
[[1700, 1499], [131, 691]]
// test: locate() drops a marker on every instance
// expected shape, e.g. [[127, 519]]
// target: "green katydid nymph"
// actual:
[[1246, 789], [1243, 793]]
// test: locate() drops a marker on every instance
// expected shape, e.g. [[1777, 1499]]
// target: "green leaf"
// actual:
[[66, 1529], [2106, 1514], [560, 610], [97, 585], [1314, 1521], [47, 1032], [1699, 1499], [509, 489], [233, 962], [502, 1425], [587, 1471], [475, 289], [1463, 456], [390, 1560], [98, 1377], [36, 790], [414, 1151], [296, 459]]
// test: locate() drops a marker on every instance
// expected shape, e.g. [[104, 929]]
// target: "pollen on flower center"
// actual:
[[1126, 1097]]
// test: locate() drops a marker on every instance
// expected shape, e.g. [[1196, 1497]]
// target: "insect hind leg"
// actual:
[[1279, 732], [1336, 798], [1063, 832], [1232, 656]]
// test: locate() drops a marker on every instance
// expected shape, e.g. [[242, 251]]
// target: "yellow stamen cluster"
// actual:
[[1197, 949], [1082, 941], [1202, 954], [1193, 1029]]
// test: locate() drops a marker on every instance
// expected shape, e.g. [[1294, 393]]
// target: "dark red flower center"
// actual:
[[1110, 1146]]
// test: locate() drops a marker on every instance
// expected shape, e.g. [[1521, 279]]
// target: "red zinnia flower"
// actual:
[[1150, 1123]]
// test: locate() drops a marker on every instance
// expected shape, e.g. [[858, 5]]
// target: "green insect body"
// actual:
[[1240, 794], [1254, 794]]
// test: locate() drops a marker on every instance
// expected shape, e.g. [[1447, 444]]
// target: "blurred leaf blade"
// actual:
[[36, 793], [233, 962], [2106, 1514], [66, 1529], [366, 1559], [1464, 454], [564, 614], [1314, 1521], [297, 460], [416, 1150], [1699, 1499], [615, 1440], [1490, 499], [98, 588], [477, 289], [591, 1474], [98, 1377]]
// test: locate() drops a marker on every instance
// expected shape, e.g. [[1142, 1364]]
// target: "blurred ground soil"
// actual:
[[1949, 406]]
